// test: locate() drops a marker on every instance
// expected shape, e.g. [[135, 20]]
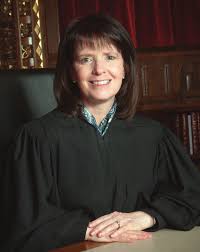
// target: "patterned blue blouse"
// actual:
[[104, 124]]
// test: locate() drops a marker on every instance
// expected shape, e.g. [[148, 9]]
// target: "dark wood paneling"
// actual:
[[169, 79], [51, 35]]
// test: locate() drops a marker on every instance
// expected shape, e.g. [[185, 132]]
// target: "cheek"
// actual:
[[118, 71], [79, 74], [82, 73]]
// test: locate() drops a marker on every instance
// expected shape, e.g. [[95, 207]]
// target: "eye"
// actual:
[[85, 60], [110, 57]]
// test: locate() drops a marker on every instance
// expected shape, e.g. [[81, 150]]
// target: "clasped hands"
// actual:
[[120, 227]]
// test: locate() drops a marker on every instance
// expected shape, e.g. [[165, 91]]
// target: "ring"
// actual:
[[118, 223]]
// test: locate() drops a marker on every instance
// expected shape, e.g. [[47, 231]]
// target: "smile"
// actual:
[[100, 82]]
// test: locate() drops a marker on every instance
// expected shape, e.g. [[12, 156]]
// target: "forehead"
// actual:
[[95, 44]]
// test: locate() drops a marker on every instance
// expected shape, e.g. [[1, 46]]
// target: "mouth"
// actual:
[[100, 82]]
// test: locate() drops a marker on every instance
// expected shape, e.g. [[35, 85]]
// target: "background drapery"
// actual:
[[151, 23], [123, 10]]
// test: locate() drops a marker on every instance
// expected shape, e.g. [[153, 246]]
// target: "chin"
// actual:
[[103, 97], [102, 100]]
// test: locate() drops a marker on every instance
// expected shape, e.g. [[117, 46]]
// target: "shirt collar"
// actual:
[[104, 124]]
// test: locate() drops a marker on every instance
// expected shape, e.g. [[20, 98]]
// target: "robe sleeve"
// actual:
[[175, 202], [31, 222]]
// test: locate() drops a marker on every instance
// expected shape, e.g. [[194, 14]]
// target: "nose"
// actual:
[[98, 67]]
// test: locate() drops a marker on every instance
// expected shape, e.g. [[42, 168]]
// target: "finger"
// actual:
[[102, 218], [110, 225], [131, 236], [116, 224], [125, 225], [140, 235], [120, 231], [102, 239], [127, 228], [105, 227], [108, 229]]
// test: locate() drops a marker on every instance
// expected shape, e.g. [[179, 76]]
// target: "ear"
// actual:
[[72, 75], [126, 70], [124, 73]]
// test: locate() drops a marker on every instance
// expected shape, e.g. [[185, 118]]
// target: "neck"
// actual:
[[99, 111]]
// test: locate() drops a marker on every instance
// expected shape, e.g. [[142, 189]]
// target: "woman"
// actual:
[[91, 169]]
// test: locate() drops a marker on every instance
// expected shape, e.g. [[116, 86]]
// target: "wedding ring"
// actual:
[[118, 223]]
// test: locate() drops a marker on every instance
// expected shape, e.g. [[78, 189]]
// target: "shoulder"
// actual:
[[48, 125], [145, 124], [141, 129], [148, 128], [144, 121]]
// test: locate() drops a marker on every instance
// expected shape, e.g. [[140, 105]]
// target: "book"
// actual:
[[190, 139], [185, 132], [178, 126], [195, 136]]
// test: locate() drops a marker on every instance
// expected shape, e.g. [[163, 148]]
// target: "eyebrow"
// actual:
[[91, 54]]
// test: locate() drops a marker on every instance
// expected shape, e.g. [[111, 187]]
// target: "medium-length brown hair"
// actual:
[[95, 30]]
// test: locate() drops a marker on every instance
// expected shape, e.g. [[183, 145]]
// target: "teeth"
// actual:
[[100, 82]]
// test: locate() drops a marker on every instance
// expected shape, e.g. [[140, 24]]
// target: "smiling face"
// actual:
[[98, 72]]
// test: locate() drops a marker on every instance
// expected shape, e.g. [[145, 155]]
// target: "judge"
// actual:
[[91, 169]]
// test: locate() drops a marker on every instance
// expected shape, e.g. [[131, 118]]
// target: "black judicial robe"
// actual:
[[60, 174]]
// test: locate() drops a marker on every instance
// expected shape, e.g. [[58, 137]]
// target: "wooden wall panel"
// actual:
[[51, 35], [169, 79]]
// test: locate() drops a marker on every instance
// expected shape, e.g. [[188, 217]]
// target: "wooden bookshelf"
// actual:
[[169, 81]]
